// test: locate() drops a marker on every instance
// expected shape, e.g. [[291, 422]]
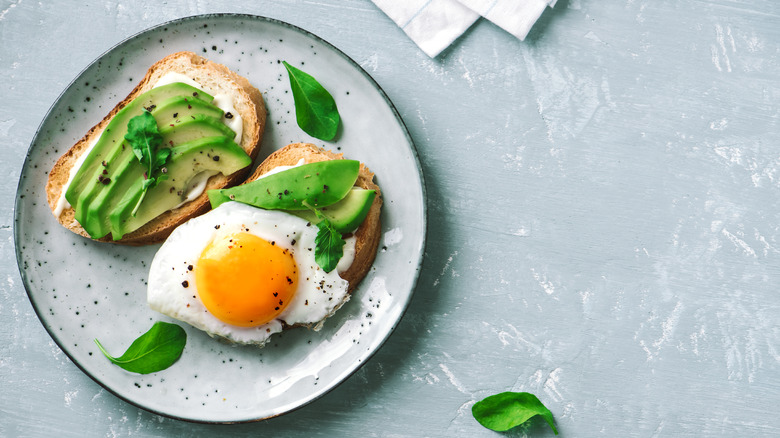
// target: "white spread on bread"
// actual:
[[349, 247], [278, 169], [349, 254], [195, 186], [225, 103], [63, 203]]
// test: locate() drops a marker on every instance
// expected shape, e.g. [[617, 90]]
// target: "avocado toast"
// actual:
[[99, 188]]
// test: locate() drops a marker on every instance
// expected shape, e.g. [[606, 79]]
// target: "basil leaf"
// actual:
[[328, 245], [506, 410], [315, 109], [145, 139], [153, 351]]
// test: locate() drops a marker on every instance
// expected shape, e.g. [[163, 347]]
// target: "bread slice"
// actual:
[[216, 78], [370, 230]]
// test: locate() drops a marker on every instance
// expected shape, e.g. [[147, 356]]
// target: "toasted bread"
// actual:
[[247, 101], [370, 230]]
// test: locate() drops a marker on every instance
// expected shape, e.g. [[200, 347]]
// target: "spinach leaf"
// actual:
[[145, 139], [315, 109], [153, 351], [506, 410], [328, 245]]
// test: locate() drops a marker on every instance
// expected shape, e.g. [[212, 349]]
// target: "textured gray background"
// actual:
[[603, 221]]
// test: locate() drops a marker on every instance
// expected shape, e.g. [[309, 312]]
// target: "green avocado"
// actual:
[[300, 188], [345, 215], [192, 128], [210, 154], [179, 108], [107, 146], [125, 169]]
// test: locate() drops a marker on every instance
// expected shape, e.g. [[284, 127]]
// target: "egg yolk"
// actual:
[[244, 280]]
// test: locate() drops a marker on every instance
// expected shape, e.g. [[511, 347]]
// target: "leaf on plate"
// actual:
[[501, 412], [315, 109], [155, 350]]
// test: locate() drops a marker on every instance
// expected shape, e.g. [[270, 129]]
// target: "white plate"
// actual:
[[82, 290]]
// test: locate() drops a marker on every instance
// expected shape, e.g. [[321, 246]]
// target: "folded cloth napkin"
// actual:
[[434, 24]]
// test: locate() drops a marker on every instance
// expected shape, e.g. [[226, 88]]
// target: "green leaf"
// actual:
[[506, 410], [145, 139], [328, 245], [315, 109], [160, 158], [153, 351]]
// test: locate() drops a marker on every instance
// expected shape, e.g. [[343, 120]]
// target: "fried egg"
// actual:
[[244, 273]]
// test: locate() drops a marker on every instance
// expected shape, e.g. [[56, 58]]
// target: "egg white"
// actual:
[[318, 295]]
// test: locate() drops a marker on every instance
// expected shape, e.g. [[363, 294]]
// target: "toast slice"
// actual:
[[370, 230], [214, 78]]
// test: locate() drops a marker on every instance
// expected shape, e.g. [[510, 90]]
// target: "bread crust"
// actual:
[[248, 102], [369, 232]]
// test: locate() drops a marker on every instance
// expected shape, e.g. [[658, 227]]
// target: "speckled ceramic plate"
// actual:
[[82, 290]]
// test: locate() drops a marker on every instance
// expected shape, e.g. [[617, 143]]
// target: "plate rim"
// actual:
[[236, 16]]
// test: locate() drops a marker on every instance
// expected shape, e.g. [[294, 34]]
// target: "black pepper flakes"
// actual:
[[185, 284], [228, 115]]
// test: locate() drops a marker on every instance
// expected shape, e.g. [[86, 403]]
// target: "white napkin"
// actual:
[[434, 24]]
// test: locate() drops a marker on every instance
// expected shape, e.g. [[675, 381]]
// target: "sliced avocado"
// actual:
[[191, 128], [211, 154], [123, 169], [345, 215], [114, 133], [95, 188], [183, 107], [310, 185]]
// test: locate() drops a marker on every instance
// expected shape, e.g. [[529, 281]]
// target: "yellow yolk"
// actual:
[[244, 280]]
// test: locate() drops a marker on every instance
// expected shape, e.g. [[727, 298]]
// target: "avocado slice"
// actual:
[[190, 128], [178, 108], [125, 169], [345, 215], [310, 185], [211, 154], [113, 135]]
